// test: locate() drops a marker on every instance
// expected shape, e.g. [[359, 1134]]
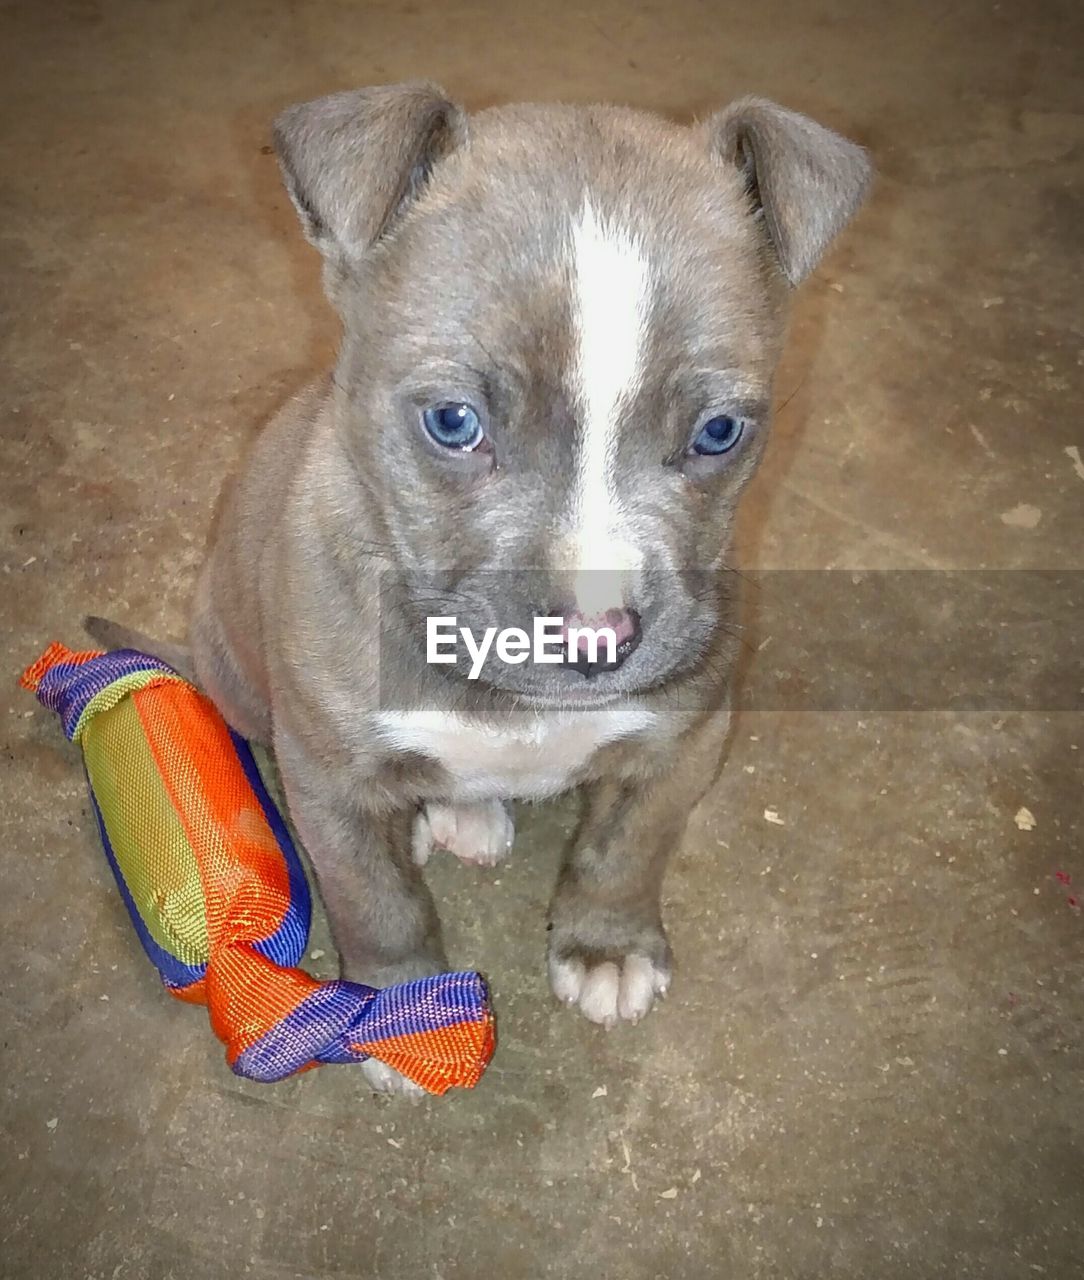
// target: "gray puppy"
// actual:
[[560, 326]]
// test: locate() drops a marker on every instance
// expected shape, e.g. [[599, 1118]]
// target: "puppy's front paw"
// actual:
[[477, 834], [609, 989]]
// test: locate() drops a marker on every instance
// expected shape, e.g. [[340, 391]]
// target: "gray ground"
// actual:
[[870, 1065]]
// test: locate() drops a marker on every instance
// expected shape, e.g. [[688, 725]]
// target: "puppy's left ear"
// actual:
[[354, 162], [805, 181]]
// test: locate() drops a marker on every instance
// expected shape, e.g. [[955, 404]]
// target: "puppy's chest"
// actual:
[[525, 757]]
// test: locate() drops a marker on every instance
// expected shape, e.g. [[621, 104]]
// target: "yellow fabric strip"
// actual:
[[148, 840]]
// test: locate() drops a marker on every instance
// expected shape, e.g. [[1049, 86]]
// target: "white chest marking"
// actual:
[[529, 759], [612, 292]]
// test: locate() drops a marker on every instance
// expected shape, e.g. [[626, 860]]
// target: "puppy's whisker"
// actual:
[[798, 387]]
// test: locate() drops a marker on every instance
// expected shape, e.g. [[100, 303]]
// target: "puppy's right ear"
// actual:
[[354, 161]]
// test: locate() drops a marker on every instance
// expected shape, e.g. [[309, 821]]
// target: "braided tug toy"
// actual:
[[217, 893]]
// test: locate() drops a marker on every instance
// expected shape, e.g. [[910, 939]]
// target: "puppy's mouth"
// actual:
[[572, 699]]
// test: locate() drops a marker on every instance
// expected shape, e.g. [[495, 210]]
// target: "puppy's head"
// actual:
[[560, 330]]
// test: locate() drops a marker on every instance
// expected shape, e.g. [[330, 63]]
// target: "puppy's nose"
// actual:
[[593, 652]]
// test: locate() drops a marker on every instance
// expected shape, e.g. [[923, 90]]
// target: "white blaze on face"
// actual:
[[612, 293]]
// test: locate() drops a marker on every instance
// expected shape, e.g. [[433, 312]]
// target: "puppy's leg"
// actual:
[[608, 951], [383, 919], [478, 834]]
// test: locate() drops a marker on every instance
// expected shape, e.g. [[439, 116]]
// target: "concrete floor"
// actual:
[[870, 1065]]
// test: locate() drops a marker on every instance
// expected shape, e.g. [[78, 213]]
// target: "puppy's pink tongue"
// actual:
[[620, 620]]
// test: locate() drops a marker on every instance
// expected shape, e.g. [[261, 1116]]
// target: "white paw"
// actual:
[[608, 992], [384, 1079], [479, 834]]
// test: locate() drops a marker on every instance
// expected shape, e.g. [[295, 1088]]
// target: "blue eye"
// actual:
[[719, 435], [455, 426]]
